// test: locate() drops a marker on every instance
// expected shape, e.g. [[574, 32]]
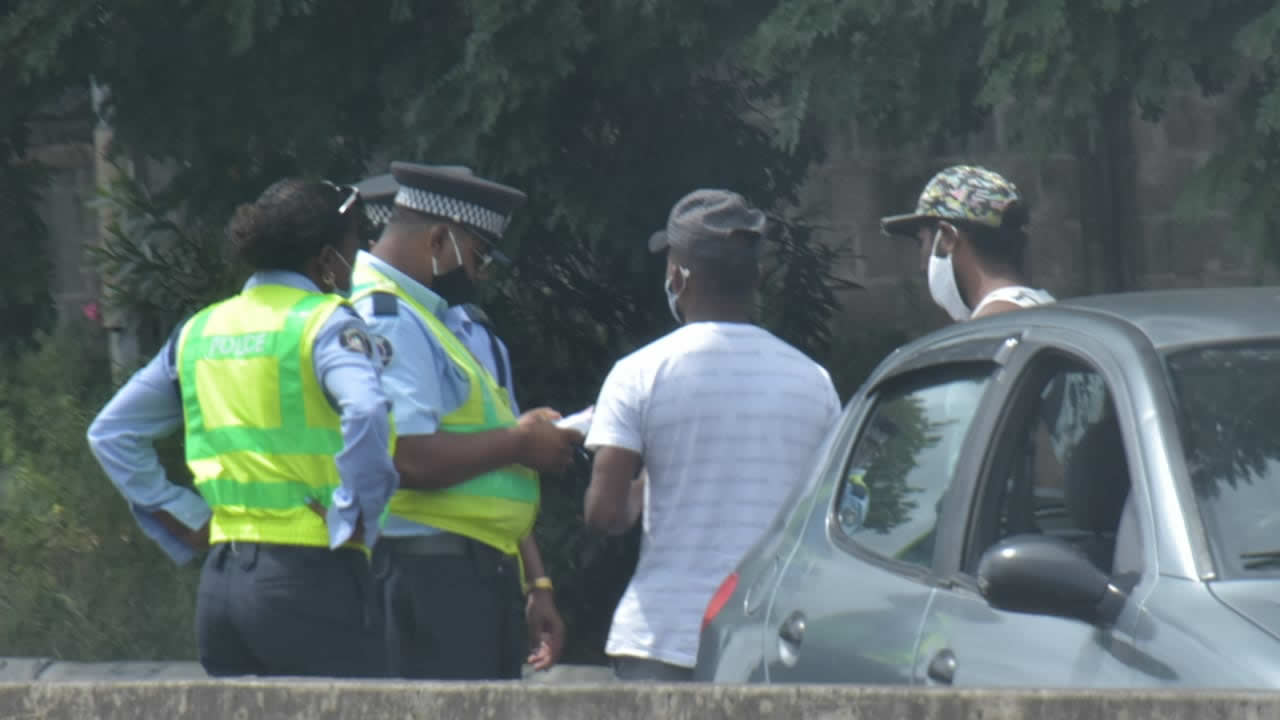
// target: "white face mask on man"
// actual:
[[942, 284], [673, 296], [435, 264]]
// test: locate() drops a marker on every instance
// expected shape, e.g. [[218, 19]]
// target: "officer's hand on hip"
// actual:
[[357, 535], [547, 448], [197, 540]]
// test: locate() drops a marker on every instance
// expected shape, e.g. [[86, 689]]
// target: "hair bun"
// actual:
[[290, 223], [245, 232]]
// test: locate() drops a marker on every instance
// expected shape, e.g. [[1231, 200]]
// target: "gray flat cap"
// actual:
[[711, 224]]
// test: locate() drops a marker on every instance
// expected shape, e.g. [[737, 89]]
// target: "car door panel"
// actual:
[[850, 600], [997, 648], [986, 646], [834, 620]]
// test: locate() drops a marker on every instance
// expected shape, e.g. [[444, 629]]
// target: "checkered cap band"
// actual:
[[456, 210], [377, 213]]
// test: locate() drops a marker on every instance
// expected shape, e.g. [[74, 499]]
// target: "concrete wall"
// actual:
[[45, 670], [496, 701]]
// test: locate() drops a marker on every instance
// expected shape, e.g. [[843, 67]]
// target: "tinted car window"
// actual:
[[1228, 409], [1061, 468], [903, 460]]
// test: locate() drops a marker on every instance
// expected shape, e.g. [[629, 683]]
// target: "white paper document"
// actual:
[[580, 421]]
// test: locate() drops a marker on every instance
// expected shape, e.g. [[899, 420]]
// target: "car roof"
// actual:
[[1167, 318], [1172, 318]]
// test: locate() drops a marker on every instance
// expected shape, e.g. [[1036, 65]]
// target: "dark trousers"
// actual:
[[287, 610], [634, 669], [453, 609]]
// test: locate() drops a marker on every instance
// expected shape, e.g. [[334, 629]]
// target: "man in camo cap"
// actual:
[[971, 225]]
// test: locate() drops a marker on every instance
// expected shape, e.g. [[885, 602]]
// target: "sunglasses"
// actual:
[[484, 258], [490, 256], [350, 194], [485, 253]]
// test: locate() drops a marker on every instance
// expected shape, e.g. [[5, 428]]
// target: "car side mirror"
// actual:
[[1047, 576]]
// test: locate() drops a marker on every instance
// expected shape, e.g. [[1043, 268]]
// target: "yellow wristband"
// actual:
[[542, 583]]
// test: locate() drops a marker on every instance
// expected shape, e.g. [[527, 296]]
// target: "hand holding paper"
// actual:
[[580, 421]]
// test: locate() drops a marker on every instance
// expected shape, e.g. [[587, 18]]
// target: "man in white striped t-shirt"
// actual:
[[724, 418]]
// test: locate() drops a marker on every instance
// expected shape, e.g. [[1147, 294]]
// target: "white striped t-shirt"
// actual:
[[727, 419]]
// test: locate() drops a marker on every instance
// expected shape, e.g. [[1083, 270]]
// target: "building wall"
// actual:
[[856, 185], [72, 223]]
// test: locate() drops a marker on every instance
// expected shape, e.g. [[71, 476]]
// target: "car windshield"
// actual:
[[1228, 400]]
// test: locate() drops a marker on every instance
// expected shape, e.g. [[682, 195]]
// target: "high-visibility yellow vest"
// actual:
[[497, 508], [261, 435]]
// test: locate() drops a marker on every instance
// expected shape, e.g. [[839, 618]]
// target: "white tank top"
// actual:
[[1020, 295]]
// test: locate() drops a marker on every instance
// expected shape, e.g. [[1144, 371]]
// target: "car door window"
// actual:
[[1060, 467], [903, 460]]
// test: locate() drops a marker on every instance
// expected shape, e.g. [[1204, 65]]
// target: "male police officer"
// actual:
[[452, 586], [464, 317], [472, 326]]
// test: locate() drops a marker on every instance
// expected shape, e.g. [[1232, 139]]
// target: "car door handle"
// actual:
[[792, 629], [942, 668]]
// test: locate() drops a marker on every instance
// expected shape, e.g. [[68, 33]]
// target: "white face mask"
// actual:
[[942, 284], [672, 296], [435, 266], [337, 290]]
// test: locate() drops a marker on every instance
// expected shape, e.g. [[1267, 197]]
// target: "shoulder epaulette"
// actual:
[[477, 315], [384, 304]]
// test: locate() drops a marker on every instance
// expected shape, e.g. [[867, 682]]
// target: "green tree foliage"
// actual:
[[1243, 176], [159, 267], [25, 302], [1065, 75], [801, 288], [26, 305], [902, 72], [81, 581], [605, 112]]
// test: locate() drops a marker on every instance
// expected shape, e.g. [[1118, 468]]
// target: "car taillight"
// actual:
[[719, 599]]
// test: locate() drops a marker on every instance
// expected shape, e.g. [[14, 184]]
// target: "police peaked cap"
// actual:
[[378, 189], [379, 194], [455, 194]]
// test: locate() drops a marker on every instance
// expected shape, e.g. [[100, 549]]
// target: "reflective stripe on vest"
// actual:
[[497, 508], [260, 433]]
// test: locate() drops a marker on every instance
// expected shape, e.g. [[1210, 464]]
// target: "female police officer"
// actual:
[[284, 417]]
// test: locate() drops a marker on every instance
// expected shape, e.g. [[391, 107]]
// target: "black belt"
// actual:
[[445, 544], [246, 553], [442, 543]]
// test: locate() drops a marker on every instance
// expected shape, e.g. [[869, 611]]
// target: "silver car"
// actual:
[[1085, 494]]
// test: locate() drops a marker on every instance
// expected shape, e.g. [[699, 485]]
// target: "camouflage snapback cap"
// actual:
[[965, 193]]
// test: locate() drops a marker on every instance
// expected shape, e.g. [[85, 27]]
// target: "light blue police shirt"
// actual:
[[477, 339], [149, 407], [424, 385]]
